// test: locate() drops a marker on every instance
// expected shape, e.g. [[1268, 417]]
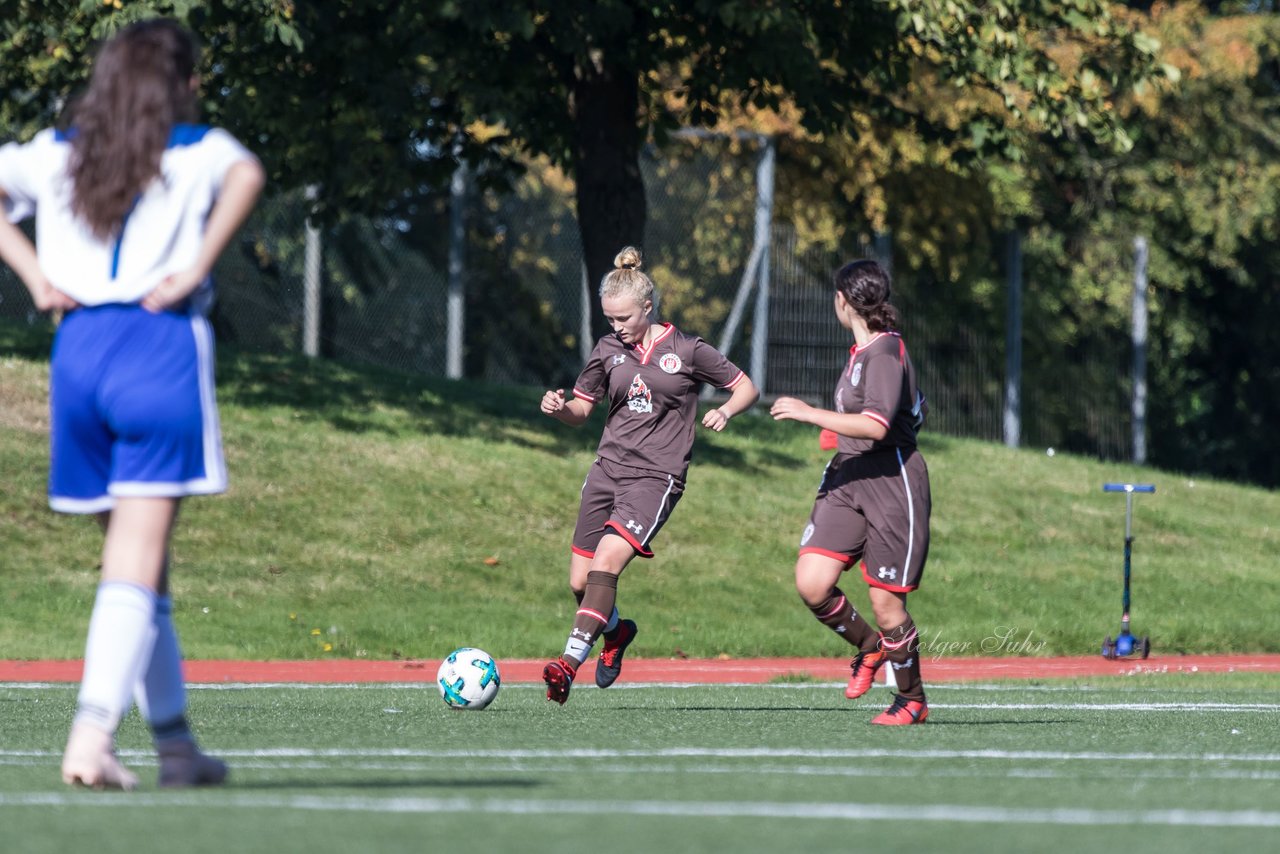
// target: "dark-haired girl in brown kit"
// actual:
[[872, 508], [133, 205]]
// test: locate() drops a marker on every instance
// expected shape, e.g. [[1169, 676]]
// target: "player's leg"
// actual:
[[611, 556], [899, 639], [817, 575], [642, 508], [161, 696], [121, 637], [897, 548], [835, 538]]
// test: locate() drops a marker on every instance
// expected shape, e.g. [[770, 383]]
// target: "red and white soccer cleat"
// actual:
[[862, 673], [558, 675], [903, 712]]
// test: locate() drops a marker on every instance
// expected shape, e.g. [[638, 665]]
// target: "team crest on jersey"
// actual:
[[639, 398], [619, 358], [670, 363], [855, 375]]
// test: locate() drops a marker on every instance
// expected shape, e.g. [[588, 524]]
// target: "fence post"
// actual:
[[585, 344], [1140, 350], [1013, 343], [763, 234], [311, 270], [455, 303]]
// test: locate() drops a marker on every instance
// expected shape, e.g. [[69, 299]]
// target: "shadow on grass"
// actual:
[[361, 399], [358, 398]]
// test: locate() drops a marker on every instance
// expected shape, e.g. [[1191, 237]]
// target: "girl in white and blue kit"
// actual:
[[133, 204]]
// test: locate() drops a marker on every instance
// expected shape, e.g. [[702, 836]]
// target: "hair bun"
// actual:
[[628, 259]]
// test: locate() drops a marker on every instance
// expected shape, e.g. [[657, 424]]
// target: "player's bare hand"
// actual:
[[172, 291], [48, 298], [553, 402], [790, 409], [715, 419]]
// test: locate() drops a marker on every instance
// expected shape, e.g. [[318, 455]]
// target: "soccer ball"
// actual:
[[468, 679]]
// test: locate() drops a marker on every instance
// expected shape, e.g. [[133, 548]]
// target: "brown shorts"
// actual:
[[630, 502], [874, 509]]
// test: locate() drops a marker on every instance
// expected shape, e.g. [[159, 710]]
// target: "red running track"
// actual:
[[678, 671]]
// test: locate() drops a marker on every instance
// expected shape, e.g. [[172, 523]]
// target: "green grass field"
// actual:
[[1141, 764], [382, 516]]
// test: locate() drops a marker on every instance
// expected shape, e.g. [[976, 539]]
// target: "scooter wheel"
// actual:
[[1146, 647], [1109, 649]]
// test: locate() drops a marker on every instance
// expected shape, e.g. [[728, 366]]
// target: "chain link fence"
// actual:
[[386, 280]]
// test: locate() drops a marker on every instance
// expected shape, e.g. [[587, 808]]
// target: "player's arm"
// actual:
[[19, 253], [852, 424], [744, 396], [574, 411], [239, 192]]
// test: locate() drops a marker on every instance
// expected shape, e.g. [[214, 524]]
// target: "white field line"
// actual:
[[698, 753], [830, 771], [956, 813], [767, 686]]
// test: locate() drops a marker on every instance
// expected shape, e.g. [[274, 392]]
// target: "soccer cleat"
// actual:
[[609, 665], [903, 712], [182, 765], [862, 674], [558, 675], [91, 761]]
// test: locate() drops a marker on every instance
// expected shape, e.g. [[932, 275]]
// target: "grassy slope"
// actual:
[[369, 507]]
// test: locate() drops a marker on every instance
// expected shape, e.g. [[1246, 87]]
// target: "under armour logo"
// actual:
[[903, 666], [579, 633], [888, 572], [633, 525]]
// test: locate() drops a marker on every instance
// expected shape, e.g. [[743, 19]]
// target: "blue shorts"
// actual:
[[132, 409]]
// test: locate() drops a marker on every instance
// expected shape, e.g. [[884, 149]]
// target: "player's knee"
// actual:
[[813, 592]]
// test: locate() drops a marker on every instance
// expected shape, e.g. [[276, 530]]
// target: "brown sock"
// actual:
[[593, 614], [901, 646], [836, 612]]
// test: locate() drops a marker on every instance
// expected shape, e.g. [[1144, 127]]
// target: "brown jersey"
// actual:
[[880, 383], [652, 396]]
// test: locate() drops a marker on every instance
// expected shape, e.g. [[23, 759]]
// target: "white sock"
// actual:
[[161, 692], [121, 635]]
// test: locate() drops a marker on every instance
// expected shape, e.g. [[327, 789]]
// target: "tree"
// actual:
[[585, 81]]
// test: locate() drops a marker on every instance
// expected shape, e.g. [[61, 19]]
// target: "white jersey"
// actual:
[[161, 235]]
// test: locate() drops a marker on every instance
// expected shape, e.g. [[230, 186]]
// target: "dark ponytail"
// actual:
[[865, 286]]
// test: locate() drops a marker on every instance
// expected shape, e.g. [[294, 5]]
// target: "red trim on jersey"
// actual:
[[858, 348], [582, 552], [875, 582], [645, 354], [593, 613], [626, 535], [845, 559], [742, 375], [577, 392], [876, 417]]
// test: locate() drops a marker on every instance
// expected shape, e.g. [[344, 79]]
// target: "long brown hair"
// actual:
[[140, 88], [865, 286]]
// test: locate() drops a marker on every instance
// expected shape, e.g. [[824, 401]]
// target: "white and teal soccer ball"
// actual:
[[468, 679]]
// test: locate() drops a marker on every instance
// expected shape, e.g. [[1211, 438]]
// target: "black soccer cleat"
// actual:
[[609, 665]]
